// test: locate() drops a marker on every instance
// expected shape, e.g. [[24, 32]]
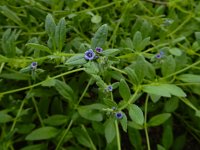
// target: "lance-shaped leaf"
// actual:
[[100, 37]]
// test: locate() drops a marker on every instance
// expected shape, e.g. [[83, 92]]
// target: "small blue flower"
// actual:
[[33, 65], [159, 55], [99, 49], [119, 115], [89, 54], [109, 88]]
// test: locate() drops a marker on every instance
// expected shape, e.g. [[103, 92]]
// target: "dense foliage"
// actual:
[[99, 74]]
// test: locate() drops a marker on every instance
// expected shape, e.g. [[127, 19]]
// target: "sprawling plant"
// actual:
[[99, 74]]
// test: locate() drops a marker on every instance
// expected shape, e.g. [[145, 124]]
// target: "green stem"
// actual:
[[182, 70], [90, 140], [118, 135], [131, 100], [17, 116], [1, 67], [116, 69], [37, 111], [83, 94], [39, 83], [145, 123], [65, 133]]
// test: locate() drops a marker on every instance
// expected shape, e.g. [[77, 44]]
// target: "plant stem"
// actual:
[[17, 116], [39, 83], [37, 111], [83, 94], [145, 123], [65, 133], [116, 69], [118, 136], [88, 136], [182, 70]]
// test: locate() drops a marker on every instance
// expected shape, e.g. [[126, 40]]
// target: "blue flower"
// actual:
[[119, 115], [99, 49], [109, 88], [159, 55], [89, 54], [33, 65]]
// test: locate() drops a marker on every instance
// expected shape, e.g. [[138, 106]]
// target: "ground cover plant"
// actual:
[[80, 74]]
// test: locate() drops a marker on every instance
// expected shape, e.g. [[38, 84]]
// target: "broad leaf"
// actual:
[[136, 114], [110, 131]]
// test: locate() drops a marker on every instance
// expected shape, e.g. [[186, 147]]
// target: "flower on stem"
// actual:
[[33, 65], [99, 49], [89, 54], [119, 115], [109, 88]]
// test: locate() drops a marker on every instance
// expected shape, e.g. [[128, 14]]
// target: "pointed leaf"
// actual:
[[136, 114], [100, 37], [64, 90], [124, 90], [159, 119], [110, 131], [43, 133], [39, 47]]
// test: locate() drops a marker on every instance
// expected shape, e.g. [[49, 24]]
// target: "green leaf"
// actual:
[[77, 59], [135, 125], [144, 43], [174, 90], [157, 90], [171, 105], [197, 36], [137, 39], [123, 123], [4, 118], [56, 120], [136, 114], [175, 51], [49, 82], [34, 147], [110, 52], [135, 138], [189, 78], [165, 90], [15, 76], [96, 19], [50, 25], [132, 75], [82, 137], [167, 137], [159, 147], [168, 66], [65, 90], [43, 133], [124, 90], [180, 142], [39, 47], [60, 34], [8, 43], [100, 37], [91, 112], [11, 15], [110, 131], [159, 119]]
